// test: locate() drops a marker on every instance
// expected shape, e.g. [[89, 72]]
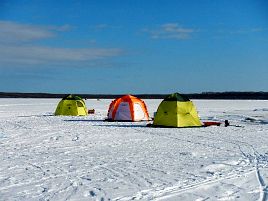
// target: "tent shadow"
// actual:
[[44, 115], [86, 120], [97, 120], [123, 126]]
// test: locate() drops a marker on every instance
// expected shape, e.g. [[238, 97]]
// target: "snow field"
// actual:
[[47, 157]]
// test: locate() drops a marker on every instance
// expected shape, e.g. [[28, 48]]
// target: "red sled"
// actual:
[[211, 123]]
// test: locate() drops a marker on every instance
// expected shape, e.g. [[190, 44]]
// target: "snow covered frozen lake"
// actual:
[[45, 157]]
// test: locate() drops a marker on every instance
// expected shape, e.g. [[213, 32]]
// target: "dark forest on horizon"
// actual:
[[203, 95]]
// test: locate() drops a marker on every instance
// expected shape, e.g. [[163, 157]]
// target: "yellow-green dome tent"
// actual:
[[176, 110], [72, 106]]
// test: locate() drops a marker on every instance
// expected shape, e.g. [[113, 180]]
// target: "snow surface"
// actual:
[[47, 157]]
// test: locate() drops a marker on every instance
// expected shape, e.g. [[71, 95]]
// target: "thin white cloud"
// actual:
[[12, 32], [100, 27], [65, 27], [171, 31], [37, 55], [248, 31], [17, 47]]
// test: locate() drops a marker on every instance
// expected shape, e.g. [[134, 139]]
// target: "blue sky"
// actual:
[[133, 46]]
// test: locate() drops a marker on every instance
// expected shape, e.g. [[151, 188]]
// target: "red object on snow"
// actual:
[[91, 111], [211, 123]]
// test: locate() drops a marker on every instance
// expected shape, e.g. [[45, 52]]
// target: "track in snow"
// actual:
[[83, 158]]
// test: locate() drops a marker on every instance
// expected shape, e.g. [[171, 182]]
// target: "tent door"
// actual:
[[138, 112], [123, 112]]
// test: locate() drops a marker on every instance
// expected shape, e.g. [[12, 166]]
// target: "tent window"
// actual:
[[79, 104]]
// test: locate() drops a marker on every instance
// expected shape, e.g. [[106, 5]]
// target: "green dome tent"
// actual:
[[72, 106], [176, 110]]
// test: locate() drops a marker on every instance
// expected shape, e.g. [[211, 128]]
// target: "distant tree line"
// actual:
[[204, 95]]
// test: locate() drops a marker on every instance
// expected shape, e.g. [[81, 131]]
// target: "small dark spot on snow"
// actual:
[[44, 190], [209, 172], [86, 178], [92, 193]]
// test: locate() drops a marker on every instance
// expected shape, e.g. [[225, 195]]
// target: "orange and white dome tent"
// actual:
[[128, 108]]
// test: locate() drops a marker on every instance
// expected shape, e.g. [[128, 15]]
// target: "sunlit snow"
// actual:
[[47, 157]]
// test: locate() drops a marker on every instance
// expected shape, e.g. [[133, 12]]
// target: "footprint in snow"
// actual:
[[92, 193], [55, 138], [75, 138], [96, 196]]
